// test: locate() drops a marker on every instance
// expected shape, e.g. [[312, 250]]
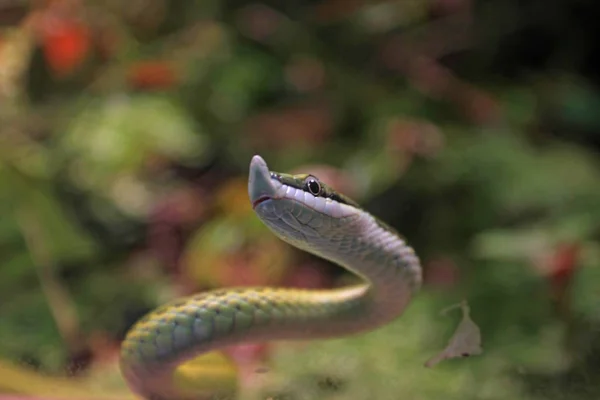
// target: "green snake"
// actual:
[[313, 217]]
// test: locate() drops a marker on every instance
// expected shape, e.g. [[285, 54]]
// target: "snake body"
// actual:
[[310, 215]]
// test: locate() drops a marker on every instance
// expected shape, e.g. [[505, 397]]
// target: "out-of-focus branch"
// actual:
[[59, 299], [415, 54]]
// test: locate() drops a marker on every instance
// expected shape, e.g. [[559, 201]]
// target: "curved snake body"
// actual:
[[321, 222]]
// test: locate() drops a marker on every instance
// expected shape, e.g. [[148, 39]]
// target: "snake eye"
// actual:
[[313, 186]]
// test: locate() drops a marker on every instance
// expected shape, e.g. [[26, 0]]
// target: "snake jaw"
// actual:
[[261, 187], [261, 199]]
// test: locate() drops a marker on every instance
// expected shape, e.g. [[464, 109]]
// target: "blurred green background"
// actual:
[[473, 127]]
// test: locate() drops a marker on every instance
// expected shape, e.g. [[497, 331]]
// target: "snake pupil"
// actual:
[[313, 186]]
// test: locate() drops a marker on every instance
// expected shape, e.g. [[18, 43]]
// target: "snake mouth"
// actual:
[[261, 186], [261, 199]]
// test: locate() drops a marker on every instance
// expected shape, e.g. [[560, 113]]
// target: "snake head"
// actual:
[[297, 208]]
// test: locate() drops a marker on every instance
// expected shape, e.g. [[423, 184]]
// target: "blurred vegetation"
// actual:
[[471, 126]]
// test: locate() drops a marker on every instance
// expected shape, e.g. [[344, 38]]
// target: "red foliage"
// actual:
[[152, 75], [562, 269], [66, 44], [298, 125], [442, 273]]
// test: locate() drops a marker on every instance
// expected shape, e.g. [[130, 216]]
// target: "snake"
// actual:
[[313, 217]]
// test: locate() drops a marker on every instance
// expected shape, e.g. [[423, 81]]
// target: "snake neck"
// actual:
[[390, 268]]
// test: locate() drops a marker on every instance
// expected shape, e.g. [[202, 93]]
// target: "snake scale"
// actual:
[[313, 217]]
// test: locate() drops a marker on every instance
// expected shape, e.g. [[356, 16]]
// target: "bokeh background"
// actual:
[[126, 131]]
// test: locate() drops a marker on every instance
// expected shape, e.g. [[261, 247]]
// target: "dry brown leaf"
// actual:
[[466, 340]]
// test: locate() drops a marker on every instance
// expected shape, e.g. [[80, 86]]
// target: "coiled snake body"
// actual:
[[307, 214]]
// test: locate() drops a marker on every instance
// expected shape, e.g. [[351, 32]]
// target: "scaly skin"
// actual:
[[328, 225]]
